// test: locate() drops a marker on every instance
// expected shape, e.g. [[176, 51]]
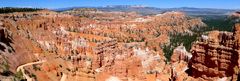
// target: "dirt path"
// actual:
[[28, 64]]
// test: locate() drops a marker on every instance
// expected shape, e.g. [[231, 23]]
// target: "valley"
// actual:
[[85, 44]]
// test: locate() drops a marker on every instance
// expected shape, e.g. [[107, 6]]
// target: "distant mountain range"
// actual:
[[153, 10]]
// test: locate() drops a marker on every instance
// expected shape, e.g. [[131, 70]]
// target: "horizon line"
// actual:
[[115, 5]]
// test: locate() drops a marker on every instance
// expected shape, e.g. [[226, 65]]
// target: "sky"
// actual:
[[54, 4]]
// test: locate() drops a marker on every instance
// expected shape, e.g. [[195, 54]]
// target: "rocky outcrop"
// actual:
[[105, 52], [5, 40], [237, 41], [235, 16], [119, 46], [180, 54], [215, 55]]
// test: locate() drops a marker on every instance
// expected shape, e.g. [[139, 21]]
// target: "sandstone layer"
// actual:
[[120, 47], [216, 55]]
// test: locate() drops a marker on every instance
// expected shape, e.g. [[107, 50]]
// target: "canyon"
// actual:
[[93, 45]]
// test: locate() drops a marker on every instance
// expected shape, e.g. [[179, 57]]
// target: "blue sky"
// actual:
[[225, 4]]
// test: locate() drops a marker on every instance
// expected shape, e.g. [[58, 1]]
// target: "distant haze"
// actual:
[[53, 4], [153, 10]]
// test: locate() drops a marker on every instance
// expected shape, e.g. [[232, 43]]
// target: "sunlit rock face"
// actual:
[[237, 40], [118, 48], [215, 55], [180, 54]]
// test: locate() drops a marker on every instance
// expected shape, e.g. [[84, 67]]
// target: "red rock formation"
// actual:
[[237, 40], [180, 54], [214, 55], [92, 49]]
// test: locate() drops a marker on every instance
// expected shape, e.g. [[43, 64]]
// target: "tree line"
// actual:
[[12, 9]]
